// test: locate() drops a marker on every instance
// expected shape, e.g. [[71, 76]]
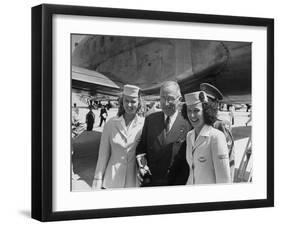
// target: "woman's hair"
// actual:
[[121, 109], [210, 110]]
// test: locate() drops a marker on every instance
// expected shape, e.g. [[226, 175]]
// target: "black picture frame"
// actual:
[[42, 107]]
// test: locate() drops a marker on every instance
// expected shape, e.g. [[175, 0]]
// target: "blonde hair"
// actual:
[[121, 109]]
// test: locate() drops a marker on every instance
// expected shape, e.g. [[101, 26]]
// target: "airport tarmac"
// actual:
[[85, 146]]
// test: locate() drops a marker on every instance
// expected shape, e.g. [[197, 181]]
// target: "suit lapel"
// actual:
[[161, 128], [137, 122], [202, 137], [199, 142], [177, 128]]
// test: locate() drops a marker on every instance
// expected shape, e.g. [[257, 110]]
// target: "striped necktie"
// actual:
[[167, 124]]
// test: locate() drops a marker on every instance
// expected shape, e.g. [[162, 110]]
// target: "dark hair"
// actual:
[[184, 112], [121, 109], [210, 110]]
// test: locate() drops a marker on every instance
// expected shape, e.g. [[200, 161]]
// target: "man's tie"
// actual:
[[167, 124]]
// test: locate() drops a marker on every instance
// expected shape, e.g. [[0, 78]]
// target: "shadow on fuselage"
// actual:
[[85, 155]]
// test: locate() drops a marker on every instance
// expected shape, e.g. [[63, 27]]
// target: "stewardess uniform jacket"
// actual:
[[117, 153], [207, 157]]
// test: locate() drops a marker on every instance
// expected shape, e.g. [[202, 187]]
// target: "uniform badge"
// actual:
[[202, 159]]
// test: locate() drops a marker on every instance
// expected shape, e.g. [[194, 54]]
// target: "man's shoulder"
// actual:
[[183, 122], [180, 118], [154, 116]]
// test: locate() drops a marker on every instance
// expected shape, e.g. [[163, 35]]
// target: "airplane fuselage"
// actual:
[[147, 62]]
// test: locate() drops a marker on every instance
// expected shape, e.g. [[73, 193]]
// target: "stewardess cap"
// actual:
[[131, 90], [195, 98]]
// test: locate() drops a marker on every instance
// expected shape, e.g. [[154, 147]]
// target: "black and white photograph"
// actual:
[[139, 112], [150, 111]]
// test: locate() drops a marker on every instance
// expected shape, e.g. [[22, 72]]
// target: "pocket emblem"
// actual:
[[202, 159]]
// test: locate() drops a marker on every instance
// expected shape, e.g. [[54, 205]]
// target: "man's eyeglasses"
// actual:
[[169, 99]]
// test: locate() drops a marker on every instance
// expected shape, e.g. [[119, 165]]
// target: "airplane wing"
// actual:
[[92, 82]]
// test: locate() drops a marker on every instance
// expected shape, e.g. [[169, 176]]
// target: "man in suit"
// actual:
[[90, 119], [162, 135]]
